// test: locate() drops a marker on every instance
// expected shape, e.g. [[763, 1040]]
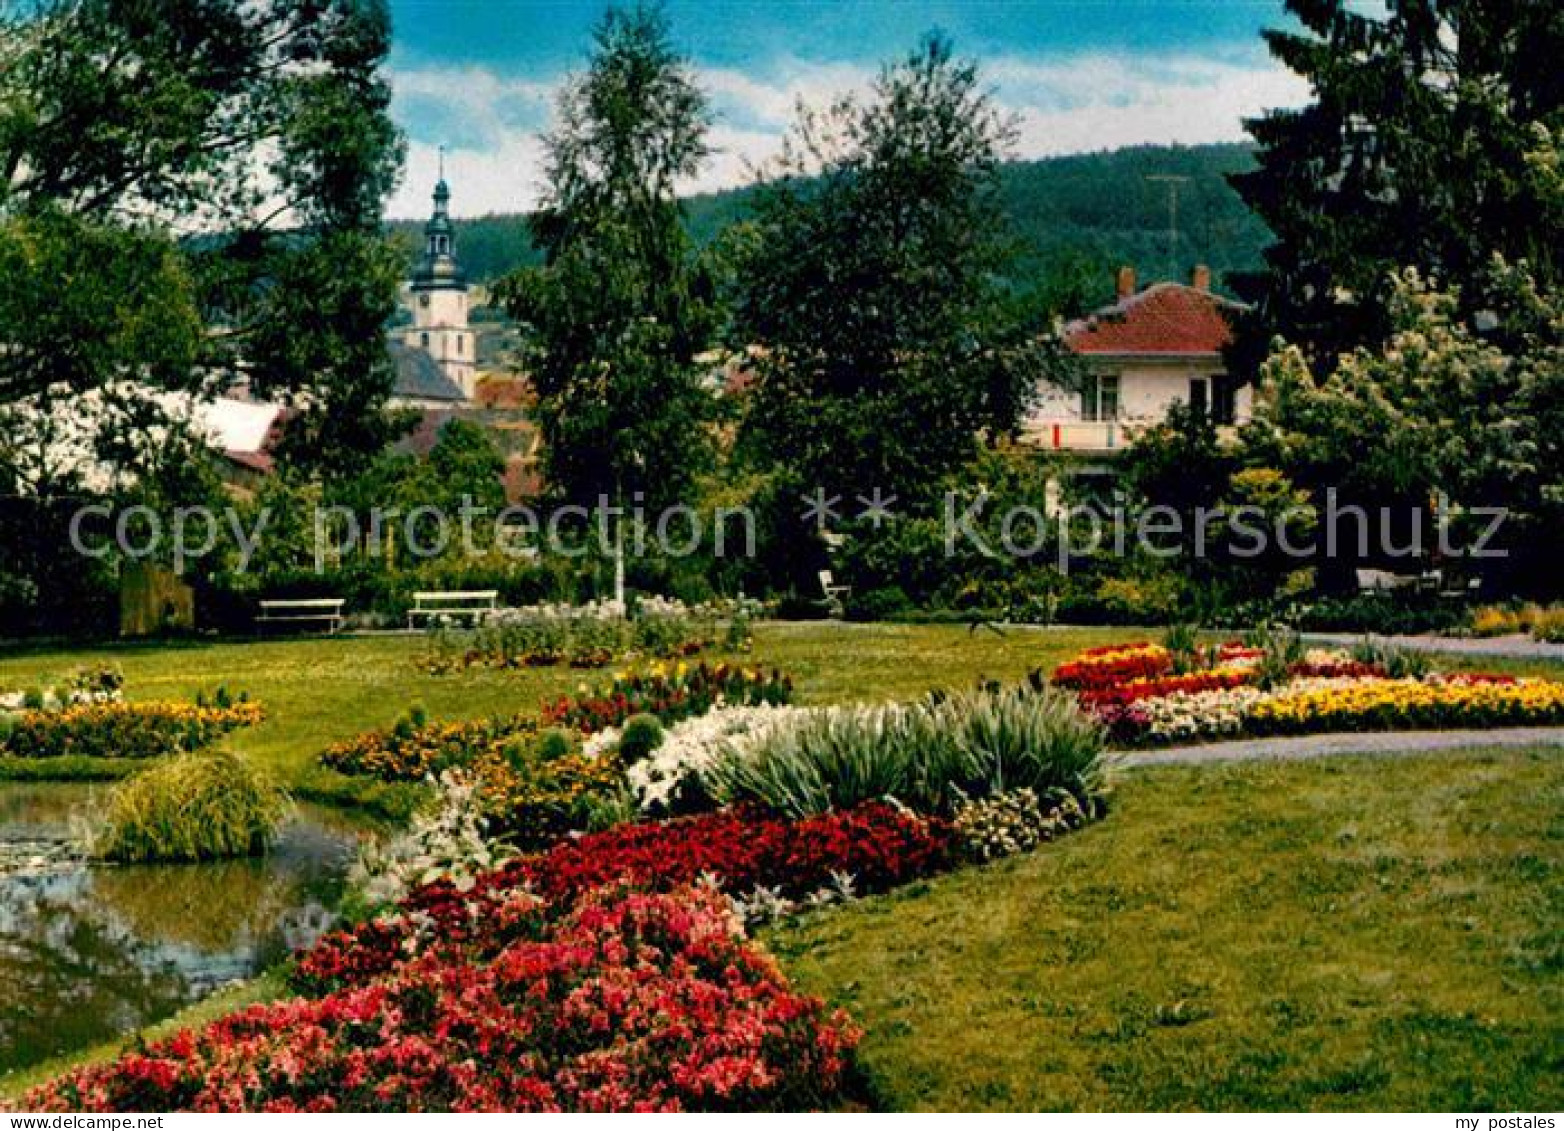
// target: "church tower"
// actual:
[[439, 290]]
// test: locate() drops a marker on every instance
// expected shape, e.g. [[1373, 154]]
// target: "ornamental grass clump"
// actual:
[[830, 759], [1018, 738], [191, 807], [1281, 650], [930, 755], [1392, 661]]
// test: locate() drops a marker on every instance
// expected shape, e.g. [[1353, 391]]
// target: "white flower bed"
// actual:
[[89, 685], [691, 747], [448, 840], [1198, 714]]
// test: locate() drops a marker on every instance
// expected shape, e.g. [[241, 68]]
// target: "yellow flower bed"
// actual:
[[1389, 704], [532, 784], [122, 730], [538, 799], [411, 753]]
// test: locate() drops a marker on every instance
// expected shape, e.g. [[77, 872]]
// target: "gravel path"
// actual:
[[1511, 647], [1331, 745]]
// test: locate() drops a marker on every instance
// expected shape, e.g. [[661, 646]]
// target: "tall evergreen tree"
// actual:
[[617, 313], [1411, 154]]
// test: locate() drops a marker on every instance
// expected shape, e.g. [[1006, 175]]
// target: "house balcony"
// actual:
[[1080, 435], [1098, 436]]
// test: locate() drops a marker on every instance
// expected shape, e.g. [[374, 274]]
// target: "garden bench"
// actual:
[[834, 595], [300, 611], [1455, 590], [469, 603], [1381, 580]]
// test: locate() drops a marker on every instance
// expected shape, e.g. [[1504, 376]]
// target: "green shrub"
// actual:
[[878, 604], [191, 807], [931, 755], [553, 744], [641, 735], [524, 751], [1149, 598], [1544, 622], [1391, 613]]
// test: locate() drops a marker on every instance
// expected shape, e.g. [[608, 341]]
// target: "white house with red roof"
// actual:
[[1144, 353]]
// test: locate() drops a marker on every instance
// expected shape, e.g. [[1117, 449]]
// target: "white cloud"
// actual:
[[1063, 105], [1103, 101], [504, 178], [489, 124]]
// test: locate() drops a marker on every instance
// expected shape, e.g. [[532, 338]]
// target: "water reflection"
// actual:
[[88, 953]]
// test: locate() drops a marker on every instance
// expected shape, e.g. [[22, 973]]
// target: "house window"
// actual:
[[1224, 400], [423, 340], [1199, 396], [1100, 397]]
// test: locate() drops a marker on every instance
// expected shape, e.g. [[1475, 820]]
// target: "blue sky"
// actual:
[[479, 76]]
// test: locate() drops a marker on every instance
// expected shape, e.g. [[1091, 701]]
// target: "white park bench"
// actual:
[[469, 603], [835, 596], [327, 610], [1383, 581]]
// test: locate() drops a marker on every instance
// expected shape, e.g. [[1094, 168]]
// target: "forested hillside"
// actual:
[[1076, 218]]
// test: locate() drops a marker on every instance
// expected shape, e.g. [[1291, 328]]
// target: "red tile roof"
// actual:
[[499, 391], [1165, 319], [254, 461]]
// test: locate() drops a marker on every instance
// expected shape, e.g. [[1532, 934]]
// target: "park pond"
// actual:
[[89, 953]]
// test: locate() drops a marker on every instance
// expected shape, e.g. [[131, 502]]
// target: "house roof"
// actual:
[[1164, 320], [419, 376], [235, 425], [261, 462], [499, 390]]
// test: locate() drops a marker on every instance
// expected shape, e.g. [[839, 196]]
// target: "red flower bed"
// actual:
[[1343, 669], [1124, 722], [1128, 693], [627, 1001], [880, 846], [1101, 668], [671, 696]]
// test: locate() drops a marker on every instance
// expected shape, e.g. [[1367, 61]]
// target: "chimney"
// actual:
[[1126, 281], [1200, 278]]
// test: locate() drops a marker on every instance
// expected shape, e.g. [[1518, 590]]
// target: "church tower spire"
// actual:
[[439, 289]]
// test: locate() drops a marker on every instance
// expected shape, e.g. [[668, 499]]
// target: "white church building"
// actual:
[[439, 299]]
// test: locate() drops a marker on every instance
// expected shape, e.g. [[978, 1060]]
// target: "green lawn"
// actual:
[[319, 690], [1357, 934], [1352, 933]]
